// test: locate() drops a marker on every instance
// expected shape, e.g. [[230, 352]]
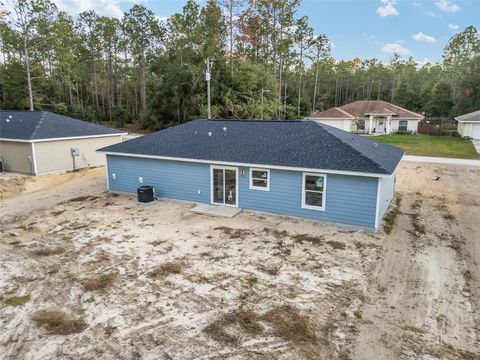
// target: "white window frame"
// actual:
[[211, 184], [253, 187], [399, 121], [324, 192]]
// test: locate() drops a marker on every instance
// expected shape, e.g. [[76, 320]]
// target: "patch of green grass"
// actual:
[[430, 145], [17, 300]]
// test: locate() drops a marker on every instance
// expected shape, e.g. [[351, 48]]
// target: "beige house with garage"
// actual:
[[41, 142], [369, 117], [469, 125]]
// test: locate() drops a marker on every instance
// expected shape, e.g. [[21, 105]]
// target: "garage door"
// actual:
[[476, 131]]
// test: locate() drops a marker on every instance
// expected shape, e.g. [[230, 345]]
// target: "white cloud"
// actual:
[[453, 26], [432, 14], [424, 38], [395, 48], [109, 8], [447, 6], [387, 10]]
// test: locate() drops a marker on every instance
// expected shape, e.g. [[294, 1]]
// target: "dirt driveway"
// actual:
[[84, 274]]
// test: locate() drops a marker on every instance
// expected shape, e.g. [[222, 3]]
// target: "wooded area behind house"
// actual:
[[267, 63]]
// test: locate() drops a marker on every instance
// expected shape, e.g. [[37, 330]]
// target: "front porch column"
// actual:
[[370, 126], [389, 124]]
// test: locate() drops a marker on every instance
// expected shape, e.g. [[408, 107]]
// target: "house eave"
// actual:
[[62, 138], [468, 121], [239, 164]]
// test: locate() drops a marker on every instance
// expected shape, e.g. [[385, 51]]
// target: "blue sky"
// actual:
[[362, 28]]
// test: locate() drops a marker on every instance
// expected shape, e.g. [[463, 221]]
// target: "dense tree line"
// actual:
[[267, 63]]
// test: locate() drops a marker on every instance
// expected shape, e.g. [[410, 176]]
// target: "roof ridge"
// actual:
[[345, 112], [388, 110], [353, 148], [40, 122]]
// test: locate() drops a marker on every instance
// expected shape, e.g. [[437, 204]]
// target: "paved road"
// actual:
[[441, 160]]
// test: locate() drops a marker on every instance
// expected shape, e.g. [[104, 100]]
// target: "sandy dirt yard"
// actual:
[[86, 274]]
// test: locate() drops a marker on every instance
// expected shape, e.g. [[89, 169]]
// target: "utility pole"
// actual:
[[263, 91], [207, 77]]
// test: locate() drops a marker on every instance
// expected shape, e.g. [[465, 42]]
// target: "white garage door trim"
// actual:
[[475, 130]]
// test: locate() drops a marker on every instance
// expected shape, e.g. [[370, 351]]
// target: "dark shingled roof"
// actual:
[[470, 117], [304, 144], [37, 125]]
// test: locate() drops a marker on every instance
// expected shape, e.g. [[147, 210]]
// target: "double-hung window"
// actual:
[[403, 125], [313, 191], [260, 179]]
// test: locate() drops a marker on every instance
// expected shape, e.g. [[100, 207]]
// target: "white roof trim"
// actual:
[[230, 163], [468, 121], [63, 138]]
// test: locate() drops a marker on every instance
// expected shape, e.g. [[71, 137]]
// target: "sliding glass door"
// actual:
[[224, 186]]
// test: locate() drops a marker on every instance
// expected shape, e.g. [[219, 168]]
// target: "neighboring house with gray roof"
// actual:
[[469, 125], [41, 142], [298, 168], [369, 116]]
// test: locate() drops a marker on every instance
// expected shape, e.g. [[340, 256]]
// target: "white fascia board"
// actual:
[[15, 140], [230, 163], [63, 138], [468, 121]]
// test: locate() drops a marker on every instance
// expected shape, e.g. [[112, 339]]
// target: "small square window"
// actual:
[[260, 179]]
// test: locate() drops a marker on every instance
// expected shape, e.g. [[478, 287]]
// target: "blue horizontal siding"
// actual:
[[349, 199], [172, 179]]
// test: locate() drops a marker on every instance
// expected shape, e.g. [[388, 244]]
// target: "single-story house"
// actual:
[[297, 168], [469, 125], [41, 142], [369, 116]]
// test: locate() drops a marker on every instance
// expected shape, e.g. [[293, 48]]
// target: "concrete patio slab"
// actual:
[[216, 210]]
